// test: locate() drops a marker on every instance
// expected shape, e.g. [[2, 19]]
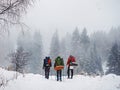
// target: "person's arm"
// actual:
[[55, 64], [50, 63], [62, 61], [43, 64], [68, 62]]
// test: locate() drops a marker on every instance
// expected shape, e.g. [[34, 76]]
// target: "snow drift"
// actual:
[[38, 82]]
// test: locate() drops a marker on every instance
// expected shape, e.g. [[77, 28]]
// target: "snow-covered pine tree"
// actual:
[[37, 53], [65, 46], [114, 35], [84, 50], [84, 40], [95, 63], [114, 60], [55, 46], [75, 43], [102, 42], [68, 44]]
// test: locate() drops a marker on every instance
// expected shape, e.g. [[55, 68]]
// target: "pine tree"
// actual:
[[68, 44], [75, 42], [55, 46], [84, 40], [37, 53], [65, 46], [114, 60], [102, 42], [95, 64], [84, 51]]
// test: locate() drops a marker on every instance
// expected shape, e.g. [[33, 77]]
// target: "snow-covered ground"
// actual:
[[38, 82]]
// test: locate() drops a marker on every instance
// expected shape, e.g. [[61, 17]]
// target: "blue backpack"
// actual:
[[47, 62]]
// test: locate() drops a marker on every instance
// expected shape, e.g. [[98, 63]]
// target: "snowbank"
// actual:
[[79, 82]]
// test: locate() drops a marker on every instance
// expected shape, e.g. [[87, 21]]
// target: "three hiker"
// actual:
[[46, 66], [58, 66]]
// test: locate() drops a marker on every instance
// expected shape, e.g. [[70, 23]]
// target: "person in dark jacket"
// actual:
[[59, 63], [46, 66]]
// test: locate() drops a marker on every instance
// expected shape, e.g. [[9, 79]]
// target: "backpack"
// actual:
[[47, 62], [72, 61], [59, 62]]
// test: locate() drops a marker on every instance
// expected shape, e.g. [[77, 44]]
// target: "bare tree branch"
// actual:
[[12, 10]]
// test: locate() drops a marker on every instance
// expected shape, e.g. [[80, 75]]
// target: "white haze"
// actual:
[[66, 15]]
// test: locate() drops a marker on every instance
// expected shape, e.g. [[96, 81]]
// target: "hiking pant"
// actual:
[[68, 72], [59, 75], [47, 70]]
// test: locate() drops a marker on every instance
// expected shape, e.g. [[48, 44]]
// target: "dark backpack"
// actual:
[[47, 62]]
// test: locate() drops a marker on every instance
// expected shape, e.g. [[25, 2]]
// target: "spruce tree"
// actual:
[[95, 63], [114, 60], [55, 46], [75, 42], [84, 51], [37, 53]]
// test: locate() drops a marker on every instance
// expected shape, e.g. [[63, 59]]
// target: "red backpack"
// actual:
[[70, 60], [49, 61]]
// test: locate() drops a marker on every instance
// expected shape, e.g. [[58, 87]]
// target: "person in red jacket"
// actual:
[[71, 59]]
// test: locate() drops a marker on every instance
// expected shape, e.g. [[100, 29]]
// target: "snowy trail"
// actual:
[[79, 82], [37, 82]]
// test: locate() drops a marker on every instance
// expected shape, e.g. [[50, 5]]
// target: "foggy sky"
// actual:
[[66, 15]]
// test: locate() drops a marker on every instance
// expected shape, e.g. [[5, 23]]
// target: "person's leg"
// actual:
[[45, 72], [71, 73], [60, 75], [68, 72], [48, 70], [57, 75]]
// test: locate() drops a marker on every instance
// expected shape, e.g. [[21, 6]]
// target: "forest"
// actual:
[[96, 53]]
